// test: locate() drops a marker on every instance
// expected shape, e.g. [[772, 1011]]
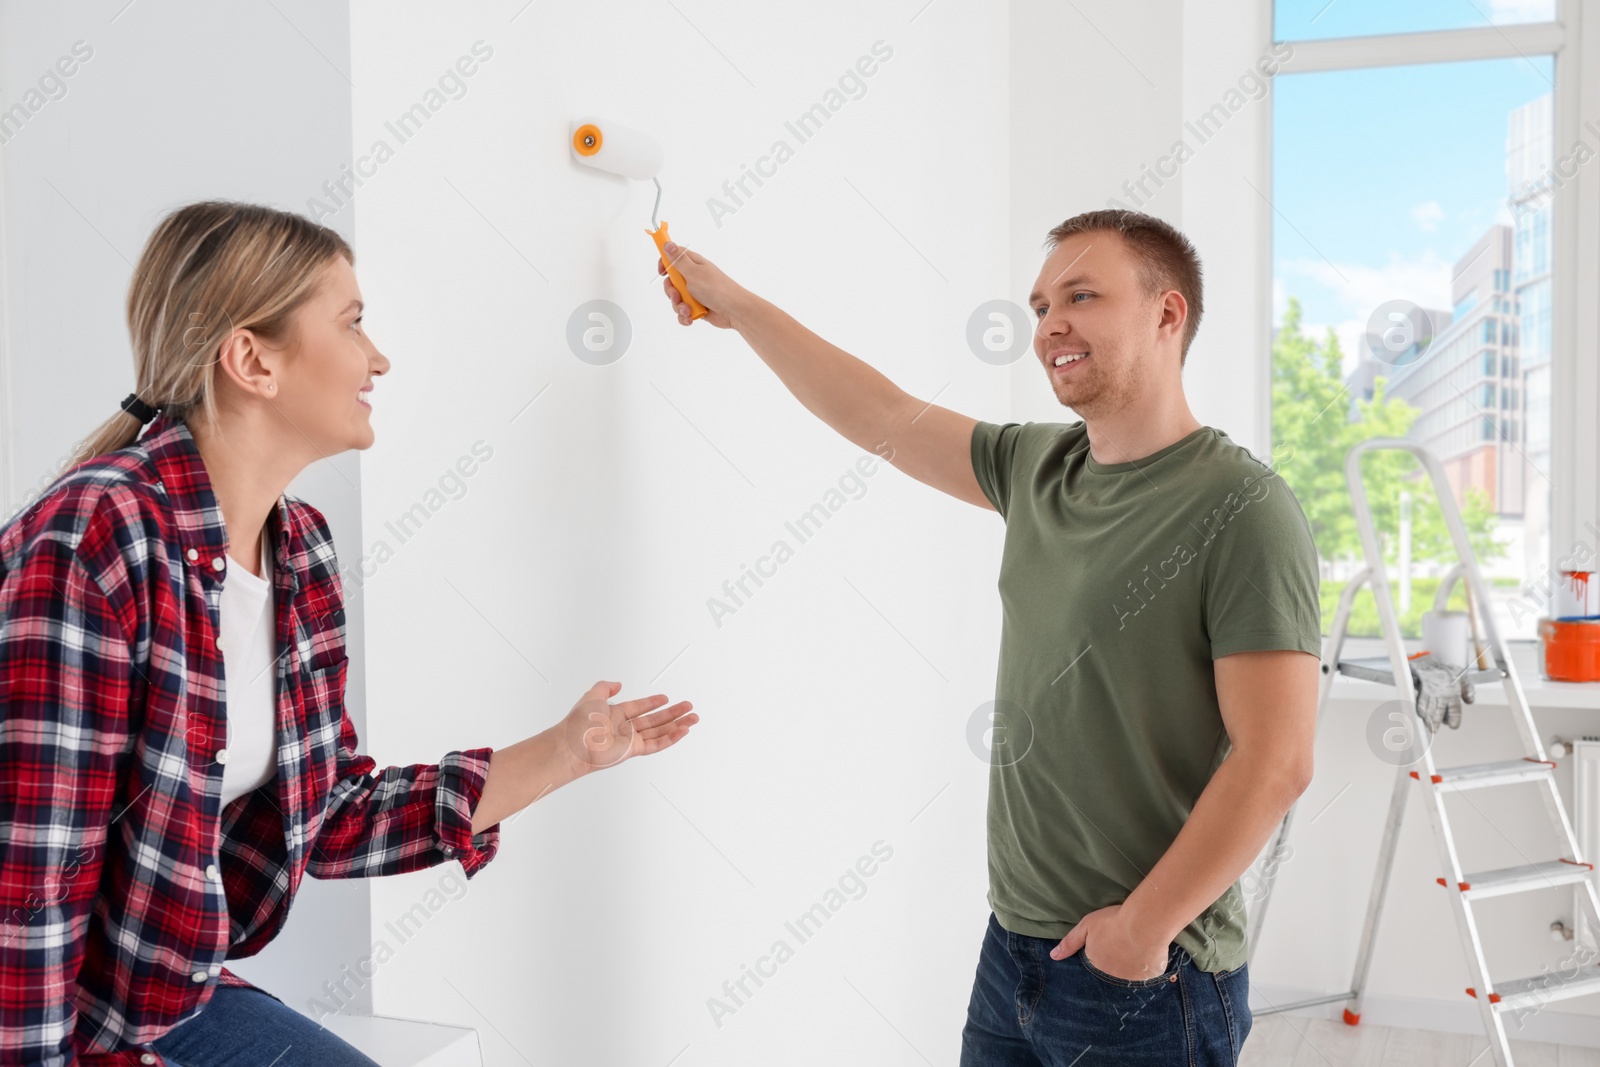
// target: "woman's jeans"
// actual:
[[1028, 1009], [250, 1028]]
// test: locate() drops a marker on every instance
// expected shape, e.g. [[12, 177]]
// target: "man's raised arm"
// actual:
[[928, 442]]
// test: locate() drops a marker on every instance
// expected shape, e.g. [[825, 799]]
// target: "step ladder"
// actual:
[[1495, 999]]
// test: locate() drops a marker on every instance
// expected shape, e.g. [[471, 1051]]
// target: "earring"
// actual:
[[271, 387]]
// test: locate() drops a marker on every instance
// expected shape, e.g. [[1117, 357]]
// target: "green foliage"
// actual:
[[1364, 612], [1312, 431]]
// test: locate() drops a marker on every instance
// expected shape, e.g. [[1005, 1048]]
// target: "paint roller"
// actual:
[[619, 150]]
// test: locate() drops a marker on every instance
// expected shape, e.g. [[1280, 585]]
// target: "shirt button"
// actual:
[[199, 976], [193, 555], [216, 564], [212, 873], [147, 1058], [219, 642], [222, 755], [447, 850]]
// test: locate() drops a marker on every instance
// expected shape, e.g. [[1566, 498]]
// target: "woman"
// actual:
[[174, 749]]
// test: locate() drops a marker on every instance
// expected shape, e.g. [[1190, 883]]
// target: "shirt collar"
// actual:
[[195, 510]]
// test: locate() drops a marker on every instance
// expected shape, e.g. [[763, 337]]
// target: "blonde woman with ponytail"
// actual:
[[174, 750]]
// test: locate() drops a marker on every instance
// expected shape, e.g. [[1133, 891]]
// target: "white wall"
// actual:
[[1094, 97], [1224, 188], [835, 704], [166, 109]]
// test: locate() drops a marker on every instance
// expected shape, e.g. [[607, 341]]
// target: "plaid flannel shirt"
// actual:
[[123, 887]]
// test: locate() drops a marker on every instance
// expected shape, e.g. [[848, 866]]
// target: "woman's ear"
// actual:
[[247, 365]]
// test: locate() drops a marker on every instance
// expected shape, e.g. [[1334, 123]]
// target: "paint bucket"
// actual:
[[1569, 649], [1577, 595], [1448, 636]]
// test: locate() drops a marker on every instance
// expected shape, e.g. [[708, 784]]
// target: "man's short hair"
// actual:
[[1166, 258]]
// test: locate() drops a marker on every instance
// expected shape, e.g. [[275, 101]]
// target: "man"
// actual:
[[1160, 649]]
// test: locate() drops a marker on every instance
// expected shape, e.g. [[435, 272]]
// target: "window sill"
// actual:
[[1540, 691]]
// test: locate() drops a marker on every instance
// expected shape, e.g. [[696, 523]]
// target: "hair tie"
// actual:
[[138, 408]]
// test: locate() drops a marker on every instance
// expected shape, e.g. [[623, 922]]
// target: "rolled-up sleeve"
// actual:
[[402, 819]]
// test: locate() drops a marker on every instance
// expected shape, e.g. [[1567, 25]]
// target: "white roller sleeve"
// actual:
[[622, 151]]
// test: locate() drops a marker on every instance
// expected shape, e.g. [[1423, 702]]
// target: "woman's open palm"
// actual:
[[601, 734]]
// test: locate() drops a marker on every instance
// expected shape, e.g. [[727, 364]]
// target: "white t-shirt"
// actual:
[[249, 667]]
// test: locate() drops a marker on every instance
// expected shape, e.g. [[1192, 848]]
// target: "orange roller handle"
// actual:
[[697, 310]]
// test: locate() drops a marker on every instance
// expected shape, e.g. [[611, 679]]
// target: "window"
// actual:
[[1448, 227]]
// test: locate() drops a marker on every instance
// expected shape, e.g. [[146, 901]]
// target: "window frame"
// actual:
[[1573, 42]]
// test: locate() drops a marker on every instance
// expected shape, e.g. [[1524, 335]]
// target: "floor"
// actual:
[[1292, 1041]]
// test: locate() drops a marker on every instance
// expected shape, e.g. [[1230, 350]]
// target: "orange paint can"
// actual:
[[1570, 649]]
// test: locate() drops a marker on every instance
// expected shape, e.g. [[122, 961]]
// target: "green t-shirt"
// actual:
[[1119, 585]]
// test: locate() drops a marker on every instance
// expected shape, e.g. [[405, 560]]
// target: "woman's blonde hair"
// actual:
[[208, 269]]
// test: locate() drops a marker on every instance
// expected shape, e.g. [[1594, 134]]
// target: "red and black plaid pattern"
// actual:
[[123, 887]]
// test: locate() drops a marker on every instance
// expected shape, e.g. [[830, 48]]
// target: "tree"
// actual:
[[1313, 430]]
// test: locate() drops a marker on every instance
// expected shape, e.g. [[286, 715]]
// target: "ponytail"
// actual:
[[210, 268]]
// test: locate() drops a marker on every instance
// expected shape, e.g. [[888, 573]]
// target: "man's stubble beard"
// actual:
[[1098, 395]]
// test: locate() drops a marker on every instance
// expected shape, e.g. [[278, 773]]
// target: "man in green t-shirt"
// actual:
[[1159, 651]]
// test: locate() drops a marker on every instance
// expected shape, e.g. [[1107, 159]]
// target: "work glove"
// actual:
[[1441, 690]]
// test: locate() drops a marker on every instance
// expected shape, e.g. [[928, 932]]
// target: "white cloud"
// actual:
[[1502, 12], [1360, 289], [1428, 215]]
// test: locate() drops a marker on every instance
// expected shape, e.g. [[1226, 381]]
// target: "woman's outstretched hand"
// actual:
[[594, 735], [597, 733], [717, 292]]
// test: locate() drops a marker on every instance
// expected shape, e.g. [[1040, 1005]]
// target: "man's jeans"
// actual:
[[1029, 1010]]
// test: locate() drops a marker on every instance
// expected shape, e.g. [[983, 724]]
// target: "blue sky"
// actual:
[[1382, 178], [1300, 20]]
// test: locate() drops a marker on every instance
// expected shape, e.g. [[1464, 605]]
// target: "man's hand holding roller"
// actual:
[[719, 293]]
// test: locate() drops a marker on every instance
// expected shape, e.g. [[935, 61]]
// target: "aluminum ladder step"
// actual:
[[1544, 988], [1483, 775], [1521, 879]]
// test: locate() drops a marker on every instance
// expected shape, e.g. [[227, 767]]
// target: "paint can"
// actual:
[[1577, 595], [1569, 649], [1448, 636]]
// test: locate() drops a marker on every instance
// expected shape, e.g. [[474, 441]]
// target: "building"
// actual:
[[1467, 382], [1529, 134], [1375, 359]]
